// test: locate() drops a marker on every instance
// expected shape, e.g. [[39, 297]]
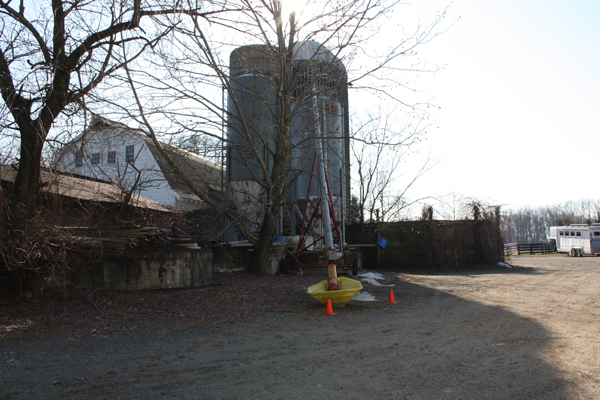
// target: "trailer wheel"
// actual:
[[573, 253]]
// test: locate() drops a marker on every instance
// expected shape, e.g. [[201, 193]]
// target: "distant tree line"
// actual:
[[531, 225]]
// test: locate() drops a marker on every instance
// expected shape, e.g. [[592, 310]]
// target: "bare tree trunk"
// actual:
[[260, 260], [27, 182]]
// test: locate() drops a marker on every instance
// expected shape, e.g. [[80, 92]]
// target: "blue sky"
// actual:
[[520, 101]]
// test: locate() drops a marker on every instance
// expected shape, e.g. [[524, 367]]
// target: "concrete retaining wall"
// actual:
[[140, 270], [156, 269]]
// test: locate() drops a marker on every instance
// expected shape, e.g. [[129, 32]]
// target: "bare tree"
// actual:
[[186, 97], [455, 206], [53, 55], [532, 224], [379, 147]]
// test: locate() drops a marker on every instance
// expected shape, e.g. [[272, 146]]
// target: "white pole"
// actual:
[[330, 252]]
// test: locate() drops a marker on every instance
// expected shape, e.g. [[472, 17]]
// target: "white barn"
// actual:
[[127, 157]]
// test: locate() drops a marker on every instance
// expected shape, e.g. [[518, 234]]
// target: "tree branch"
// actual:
[[19, 16]]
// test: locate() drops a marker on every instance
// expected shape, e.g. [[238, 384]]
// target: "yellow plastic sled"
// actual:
[[339, 298]]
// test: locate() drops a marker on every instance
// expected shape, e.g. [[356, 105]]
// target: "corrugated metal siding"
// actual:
[[334, 133], [256, 96], [303, 149], [305, 144]]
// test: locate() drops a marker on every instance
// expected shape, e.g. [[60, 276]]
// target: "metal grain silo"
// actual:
[[251, 125], [320, 103], [322, 89]]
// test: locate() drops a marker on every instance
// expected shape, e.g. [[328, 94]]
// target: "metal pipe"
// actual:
[[330, 252], [324, 192]]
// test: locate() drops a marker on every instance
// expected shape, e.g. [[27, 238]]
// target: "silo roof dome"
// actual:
[[311, 50]]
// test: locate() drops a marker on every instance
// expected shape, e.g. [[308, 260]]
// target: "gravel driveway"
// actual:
[[522, 333]]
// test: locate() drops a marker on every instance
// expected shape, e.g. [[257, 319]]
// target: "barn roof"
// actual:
[[81, 188]]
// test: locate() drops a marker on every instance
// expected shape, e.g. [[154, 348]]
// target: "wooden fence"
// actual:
[[527, 248], [429, 244]]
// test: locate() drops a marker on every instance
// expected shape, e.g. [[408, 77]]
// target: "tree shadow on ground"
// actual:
[[429, 345]]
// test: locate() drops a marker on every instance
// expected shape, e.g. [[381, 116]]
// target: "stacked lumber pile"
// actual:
[[127, 239]]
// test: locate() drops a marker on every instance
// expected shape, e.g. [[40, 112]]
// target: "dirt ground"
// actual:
[[521, 333]]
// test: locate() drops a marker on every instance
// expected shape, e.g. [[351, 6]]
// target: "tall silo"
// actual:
[[250, 129], [320, 101], [323, 116]]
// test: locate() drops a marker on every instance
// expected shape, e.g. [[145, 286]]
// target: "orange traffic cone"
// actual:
[[391, 300], [329, 308]]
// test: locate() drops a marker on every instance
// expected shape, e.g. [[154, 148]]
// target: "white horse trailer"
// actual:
[[576, 240]]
